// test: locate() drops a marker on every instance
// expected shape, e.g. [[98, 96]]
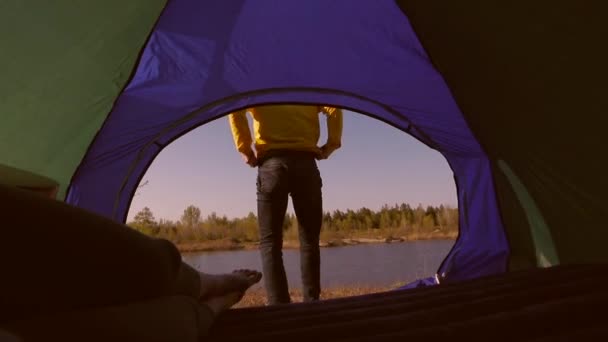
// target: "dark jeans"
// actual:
[[279, 175]]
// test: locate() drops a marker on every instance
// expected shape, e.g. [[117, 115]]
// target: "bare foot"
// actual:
[[218, 285], [222, 303]]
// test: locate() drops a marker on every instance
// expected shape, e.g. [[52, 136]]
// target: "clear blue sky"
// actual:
[[376, 165]]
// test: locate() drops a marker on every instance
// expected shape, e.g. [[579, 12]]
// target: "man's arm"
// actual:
[[334, 131], [242, 136]]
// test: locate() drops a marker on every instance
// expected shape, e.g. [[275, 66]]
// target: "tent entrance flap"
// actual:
[[546, 255]]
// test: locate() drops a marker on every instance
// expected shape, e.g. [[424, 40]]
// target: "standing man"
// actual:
[[284, 151]]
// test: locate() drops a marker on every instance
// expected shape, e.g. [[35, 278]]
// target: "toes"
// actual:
[[238, 281], [250, 276], [255, 277], [248, 273], [244, 270]]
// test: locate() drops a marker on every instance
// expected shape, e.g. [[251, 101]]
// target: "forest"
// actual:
[[399, 222]]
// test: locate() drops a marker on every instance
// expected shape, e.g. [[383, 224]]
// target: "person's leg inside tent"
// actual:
[[57, 258]]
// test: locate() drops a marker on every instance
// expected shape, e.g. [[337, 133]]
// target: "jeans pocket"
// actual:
[[271, 178]]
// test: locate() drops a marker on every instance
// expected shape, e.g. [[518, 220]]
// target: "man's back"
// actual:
[[285, 127]]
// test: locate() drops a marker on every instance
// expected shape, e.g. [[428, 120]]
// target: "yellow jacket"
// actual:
[[291, 127]]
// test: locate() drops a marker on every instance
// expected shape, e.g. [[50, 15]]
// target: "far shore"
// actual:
[[234, 245]]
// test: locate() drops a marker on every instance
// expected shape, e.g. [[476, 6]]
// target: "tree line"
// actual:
[[399, 220]]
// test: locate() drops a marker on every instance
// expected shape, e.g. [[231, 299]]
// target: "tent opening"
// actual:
[[389, 221], [481, 248]]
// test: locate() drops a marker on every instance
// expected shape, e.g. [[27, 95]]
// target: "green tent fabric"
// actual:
[[62, 66], [24, 179]]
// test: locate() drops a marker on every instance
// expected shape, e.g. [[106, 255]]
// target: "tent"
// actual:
[[513, 96]]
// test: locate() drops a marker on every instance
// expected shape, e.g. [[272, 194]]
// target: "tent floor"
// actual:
[[556, 304]]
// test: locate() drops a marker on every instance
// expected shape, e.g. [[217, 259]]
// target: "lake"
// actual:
[[359, 265]]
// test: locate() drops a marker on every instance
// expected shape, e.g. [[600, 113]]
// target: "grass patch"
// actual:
[[257, 296]]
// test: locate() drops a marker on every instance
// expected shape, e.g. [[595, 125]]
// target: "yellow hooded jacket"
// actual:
[[286, 127]]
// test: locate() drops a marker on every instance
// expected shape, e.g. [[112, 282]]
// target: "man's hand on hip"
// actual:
[[250, 158], [325, 152]]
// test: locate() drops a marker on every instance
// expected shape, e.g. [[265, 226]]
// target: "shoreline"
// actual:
[[231, 245], [257, 297]]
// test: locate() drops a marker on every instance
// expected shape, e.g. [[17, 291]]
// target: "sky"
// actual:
[[377, 164]]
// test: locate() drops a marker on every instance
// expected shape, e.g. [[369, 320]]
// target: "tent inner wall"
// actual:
[[208, 61], [479, 250]]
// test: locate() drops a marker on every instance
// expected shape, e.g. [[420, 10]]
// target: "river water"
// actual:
[[359, 265]]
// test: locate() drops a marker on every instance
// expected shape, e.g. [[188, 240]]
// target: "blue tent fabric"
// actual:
[[423, 282], [205, 60]]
